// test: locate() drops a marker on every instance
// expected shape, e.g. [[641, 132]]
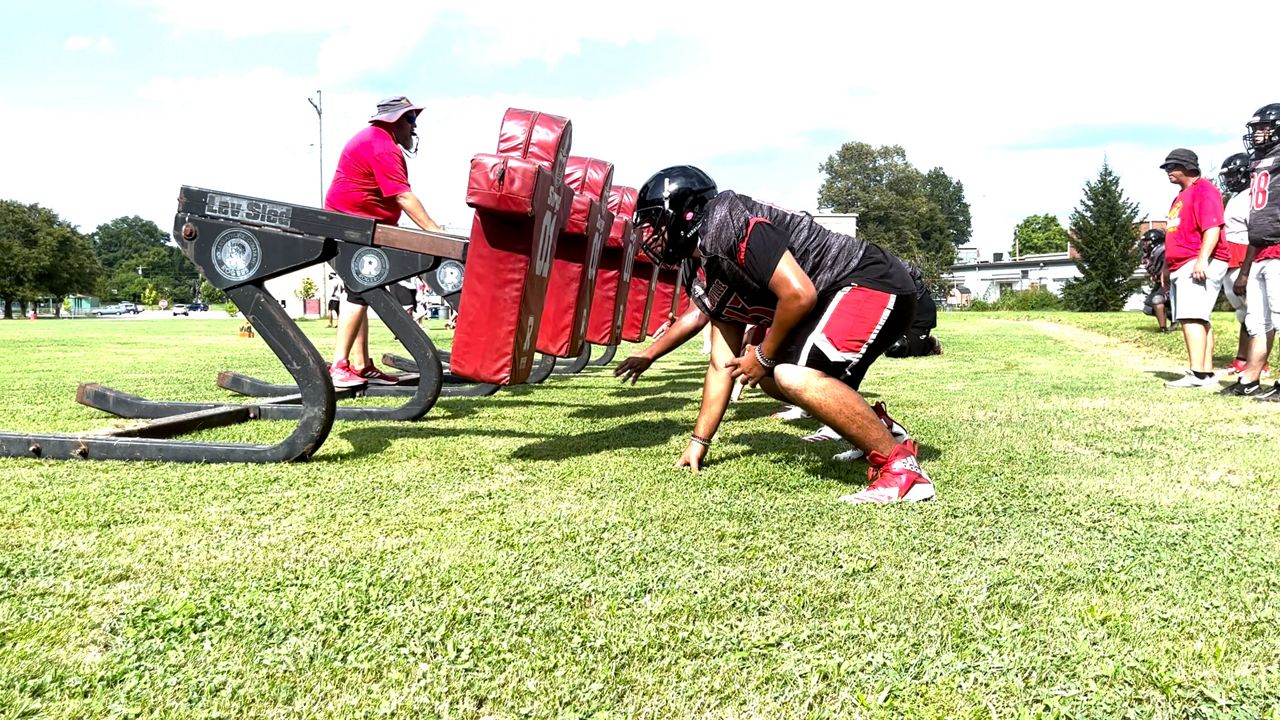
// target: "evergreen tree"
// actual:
[[1106, 238]]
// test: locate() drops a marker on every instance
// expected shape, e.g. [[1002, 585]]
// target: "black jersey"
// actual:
[[1264, 201], [741, 242]]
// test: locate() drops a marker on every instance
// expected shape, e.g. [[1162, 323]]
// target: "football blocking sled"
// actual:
[[644, 279], [573, 269], [666, 296], [521, 203], [613, 277], [238, 243], [368, 272]]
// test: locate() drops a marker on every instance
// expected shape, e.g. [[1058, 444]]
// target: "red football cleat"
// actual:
[[897, 478]]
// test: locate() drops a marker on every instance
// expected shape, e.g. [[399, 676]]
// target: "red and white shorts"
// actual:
[[846, 334]]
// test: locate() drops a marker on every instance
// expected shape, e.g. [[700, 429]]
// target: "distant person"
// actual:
[[919, 340], [1196, 260], [1153, 261], [335, 299], [1234, 176], [1260, 270], [372, 180]]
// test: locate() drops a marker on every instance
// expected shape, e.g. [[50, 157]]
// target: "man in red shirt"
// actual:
[[1196, 262], [372, 180]]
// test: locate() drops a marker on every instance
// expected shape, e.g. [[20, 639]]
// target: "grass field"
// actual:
[[1101, 548]]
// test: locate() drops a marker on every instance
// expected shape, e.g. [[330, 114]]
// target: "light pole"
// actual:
[[318, 104]]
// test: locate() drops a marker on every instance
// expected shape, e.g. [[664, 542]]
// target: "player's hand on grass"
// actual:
[[693, 456], [632, 368]]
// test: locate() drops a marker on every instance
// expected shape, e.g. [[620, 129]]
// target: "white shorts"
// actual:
[[1229, 289], [1194, 300], [1264, 298]]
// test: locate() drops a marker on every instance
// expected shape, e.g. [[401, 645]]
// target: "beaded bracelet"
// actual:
[[765, 362], [704, 442]]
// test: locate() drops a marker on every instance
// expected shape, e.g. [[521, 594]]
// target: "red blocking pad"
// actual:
[[665, 292], [521, 204], [613, 279], [644, 278], [573, 271]]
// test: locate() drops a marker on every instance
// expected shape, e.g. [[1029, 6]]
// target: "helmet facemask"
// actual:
[[1263, 133]]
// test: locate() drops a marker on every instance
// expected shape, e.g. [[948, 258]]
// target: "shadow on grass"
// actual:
[[649, 433]]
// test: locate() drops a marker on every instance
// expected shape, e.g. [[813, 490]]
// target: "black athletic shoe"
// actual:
[[1240, 389], [1271, 394]]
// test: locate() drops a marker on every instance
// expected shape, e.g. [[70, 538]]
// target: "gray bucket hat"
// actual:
[[1181, 157], [390, 109]]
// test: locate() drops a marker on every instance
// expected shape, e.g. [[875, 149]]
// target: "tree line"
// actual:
[[918, 216], [923, 217], [44, 256]]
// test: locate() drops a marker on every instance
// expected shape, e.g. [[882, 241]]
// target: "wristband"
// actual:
[[765, 362], [704, 442]]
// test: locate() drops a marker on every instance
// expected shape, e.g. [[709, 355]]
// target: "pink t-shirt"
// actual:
[[1195, 210], [371, 173]]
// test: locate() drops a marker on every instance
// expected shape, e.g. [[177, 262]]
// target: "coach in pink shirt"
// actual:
[[1196, 262], [372, 180]]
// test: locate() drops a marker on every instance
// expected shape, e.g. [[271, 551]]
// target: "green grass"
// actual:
[[1102, 547]]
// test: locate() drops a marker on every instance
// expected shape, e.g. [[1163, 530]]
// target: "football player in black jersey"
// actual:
[[832, 303], [1260, 270]]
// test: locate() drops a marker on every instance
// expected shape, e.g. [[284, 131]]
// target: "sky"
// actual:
[[108, 107]]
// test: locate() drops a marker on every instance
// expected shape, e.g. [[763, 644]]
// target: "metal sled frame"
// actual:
[[403, 253], [202, 228]]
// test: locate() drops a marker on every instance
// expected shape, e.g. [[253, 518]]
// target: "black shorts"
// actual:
[[334, 304], [843, 336], [403, 296]]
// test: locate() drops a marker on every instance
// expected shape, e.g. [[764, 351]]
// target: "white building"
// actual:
[[986, 280]]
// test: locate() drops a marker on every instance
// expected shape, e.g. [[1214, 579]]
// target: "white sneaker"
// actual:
[[1189, 380], [899, 433], [793, 412], [823, 434]]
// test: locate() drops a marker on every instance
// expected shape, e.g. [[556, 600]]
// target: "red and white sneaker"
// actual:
[[343, 376], [372, 375], [899, 433], [897, 478], [1237, 367]]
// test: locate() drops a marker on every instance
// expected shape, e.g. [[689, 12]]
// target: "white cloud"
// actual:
[[947, 81], [101, 43]]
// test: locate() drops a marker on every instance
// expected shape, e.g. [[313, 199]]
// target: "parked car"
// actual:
[[120, 309], [180, 310], [198, 307]]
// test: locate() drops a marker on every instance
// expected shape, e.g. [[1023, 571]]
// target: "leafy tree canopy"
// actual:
[[917, 216], [1040, 234]]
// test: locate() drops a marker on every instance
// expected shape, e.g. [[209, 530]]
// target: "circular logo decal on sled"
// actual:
[[369, 266], [237, 254], [449, 277]]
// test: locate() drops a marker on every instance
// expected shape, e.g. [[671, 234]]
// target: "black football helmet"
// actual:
[[1264, 130], [669, 211], [1234, 174], [1154, 236]]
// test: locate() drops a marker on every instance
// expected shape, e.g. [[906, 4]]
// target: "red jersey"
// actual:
[[1195, 210], [371, 173]]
